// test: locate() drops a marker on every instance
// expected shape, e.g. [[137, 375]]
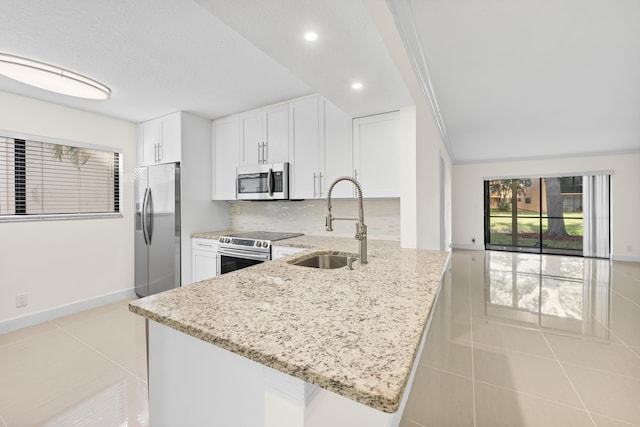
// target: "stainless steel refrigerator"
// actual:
[[157, 228]]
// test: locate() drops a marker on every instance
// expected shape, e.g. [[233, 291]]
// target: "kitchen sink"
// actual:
[[323, 261]]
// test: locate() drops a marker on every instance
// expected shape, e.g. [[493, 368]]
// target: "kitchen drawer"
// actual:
[[204, 244], [283, 251]]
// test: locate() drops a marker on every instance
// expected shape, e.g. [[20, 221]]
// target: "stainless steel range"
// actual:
[[240, 250]]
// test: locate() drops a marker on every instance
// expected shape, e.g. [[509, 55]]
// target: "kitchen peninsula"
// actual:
[[292, 345]]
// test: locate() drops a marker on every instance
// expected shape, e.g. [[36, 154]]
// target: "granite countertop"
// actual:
[[211, 234], [353, 332]]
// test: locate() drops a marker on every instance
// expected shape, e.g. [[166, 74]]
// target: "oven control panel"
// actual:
[[241, 243]]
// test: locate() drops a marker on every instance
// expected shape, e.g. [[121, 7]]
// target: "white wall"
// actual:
[[63, 262], [199, 213], [468, 208], [420, 196]]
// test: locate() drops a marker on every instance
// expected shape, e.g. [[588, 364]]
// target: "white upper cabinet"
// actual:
[[376, 148], [305, 170], [160, 140], [337, 150], [321, 148], [251, 137], [320, 142], [226, 157], [264, 135]]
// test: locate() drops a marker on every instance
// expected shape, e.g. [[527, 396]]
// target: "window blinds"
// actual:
[[42, 178]]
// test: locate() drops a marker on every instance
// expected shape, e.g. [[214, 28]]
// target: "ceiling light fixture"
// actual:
[[51, 78], [311, 36], [357, 86]]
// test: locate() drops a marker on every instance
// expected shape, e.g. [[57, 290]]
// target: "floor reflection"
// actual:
[[568, 294]]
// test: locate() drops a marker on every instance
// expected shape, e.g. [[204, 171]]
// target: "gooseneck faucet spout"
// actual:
[[361, 228]]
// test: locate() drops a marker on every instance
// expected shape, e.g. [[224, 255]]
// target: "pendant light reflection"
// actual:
[[51, 78]]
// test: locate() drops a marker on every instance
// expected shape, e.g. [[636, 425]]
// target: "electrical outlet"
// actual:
[[22, 300]]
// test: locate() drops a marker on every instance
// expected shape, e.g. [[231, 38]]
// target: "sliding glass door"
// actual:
[[538, 215]]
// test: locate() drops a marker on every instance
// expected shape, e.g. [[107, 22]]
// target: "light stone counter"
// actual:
[[353, 332]]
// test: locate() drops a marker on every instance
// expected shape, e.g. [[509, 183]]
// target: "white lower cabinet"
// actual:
[[204, 259], [283, 251]]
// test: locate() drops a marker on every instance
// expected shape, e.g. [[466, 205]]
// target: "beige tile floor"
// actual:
[[87, 369], [516, 340], [530, 340]]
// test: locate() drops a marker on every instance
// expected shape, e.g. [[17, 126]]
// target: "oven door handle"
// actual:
[[245, 255]]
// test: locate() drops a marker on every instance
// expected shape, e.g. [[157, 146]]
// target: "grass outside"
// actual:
[[529, 230]]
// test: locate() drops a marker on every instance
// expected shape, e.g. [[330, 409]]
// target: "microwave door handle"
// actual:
[[270, 182]]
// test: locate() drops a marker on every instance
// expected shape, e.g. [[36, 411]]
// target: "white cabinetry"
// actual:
[[321, 148], [264, 135], [376, 149], [160, 140], [204, 259], [338, 149], [305, 170], [283, 251], [226, 156]]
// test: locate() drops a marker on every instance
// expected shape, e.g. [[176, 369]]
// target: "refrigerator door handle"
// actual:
[[149, 216], [144, 216]]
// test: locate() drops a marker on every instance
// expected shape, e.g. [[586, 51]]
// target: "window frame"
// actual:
[[69, 216]]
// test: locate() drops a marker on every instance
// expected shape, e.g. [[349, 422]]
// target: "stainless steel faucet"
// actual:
[[361, 228]]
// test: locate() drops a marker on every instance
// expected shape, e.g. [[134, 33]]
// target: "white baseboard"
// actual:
[[625, 258], [31, 319], [467, 247]]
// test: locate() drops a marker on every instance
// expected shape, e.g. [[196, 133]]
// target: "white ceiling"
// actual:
[[161, 56], [513, 79], [520, 79]]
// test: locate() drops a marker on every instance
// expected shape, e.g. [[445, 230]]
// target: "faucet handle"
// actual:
[[328, 222]]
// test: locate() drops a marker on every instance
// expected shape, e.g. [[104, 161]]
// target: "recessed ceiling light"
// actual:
[[357, 86], [51, 78], [311, 36]]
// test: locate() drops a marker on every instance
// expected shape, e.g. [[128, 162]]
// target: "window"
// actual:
[[54, 179]]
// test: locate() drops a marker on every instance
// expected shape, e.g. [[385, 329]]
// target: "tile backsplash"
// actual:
[[382, 217]]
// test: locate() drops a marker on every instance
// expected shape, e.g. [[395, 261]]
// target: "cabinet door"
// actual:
[[338, 152], [251, 137], [225, 152], [304, 170], [204, 265], [170, 148], [275, 133], [376, 154], [151, 139]]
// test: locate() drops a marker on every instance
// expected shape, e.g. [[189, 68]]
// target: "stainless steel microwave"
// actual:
[[263, 182]]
